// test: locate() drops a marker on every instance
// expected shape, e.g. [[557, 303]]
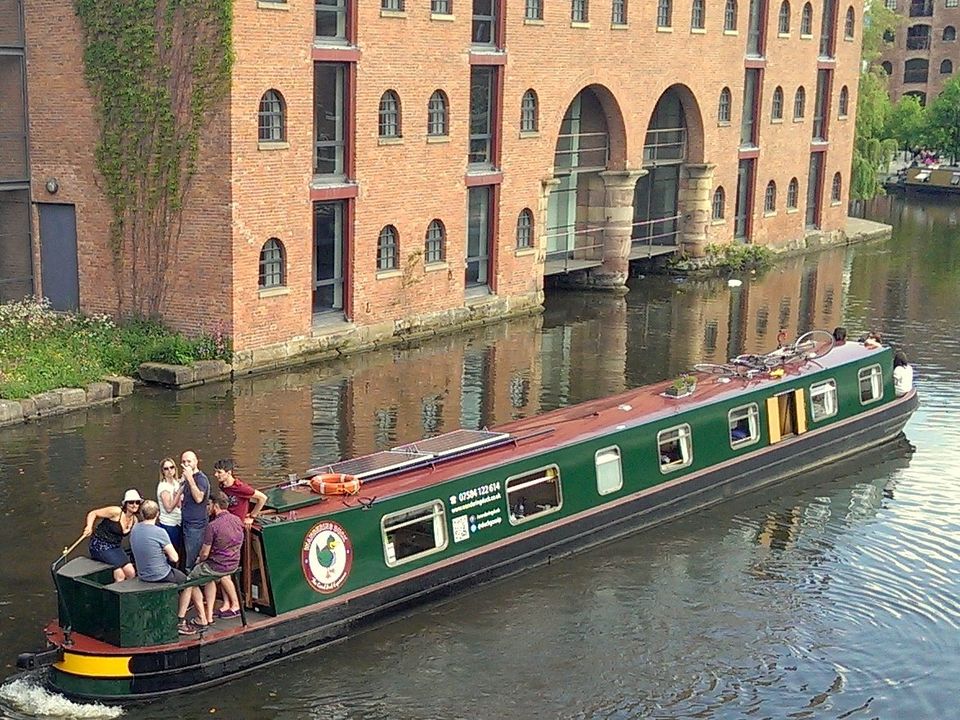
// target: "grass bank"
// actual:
[[41, 349]]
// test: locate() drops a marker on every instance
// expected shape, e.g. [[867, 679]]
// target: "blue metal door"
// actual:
[[58, 255]]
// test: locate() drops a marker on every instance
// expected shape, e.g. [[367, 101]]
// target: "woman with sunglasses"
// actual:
[[170, 497], [116, 522]]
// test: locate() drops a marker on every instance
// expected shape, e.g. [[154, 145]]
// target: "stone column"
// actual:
[[618, 188], [696, 206]]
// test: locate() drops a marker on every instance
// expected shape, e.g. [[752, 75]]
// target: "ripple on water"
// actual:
[[24, 697]]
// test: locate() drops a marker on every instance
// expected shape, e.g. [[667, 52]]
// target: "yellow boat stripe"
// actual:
[[113, 666]]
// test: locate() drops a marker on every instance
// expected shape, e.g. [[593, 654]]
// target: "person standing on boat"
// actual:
[[220, 557], [902, 374], [194, 518], [169, 500], [154, 553], [116, 522], [238, 492]]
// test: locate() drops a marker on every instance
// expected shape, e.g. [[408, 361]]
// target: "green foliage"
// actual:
[[907, 123], [878, 19], [943, 114], [156, 68], [873, 149], [734, 257], [41, 349]]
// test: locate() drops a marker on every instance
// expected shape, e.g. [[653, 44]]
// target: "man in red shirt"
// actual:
[[238, 492]]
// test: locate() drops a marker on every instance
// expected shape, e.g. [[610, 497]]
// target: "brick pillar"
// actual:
[[617, 211], [695, 206]]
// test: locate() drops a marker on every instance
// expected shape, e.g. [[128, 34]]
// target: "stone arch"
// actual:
[[693, 119]]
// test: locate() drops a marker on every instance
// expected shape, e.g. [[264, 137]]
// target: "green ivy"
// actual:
[[156, 69]]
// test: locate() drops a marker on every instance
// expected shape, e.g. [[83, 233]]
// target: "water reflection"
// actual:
[[823, 597]]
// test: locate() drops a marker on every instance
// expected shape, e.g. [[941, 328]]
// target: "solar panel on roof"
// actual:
[[378, 463], [456, 442]]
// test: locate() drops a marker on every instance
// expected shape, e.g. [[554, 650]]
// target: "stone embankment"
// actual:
[[64, 400]]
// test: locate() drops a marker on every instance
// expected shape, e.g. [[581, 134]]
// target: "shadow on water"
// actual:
[[823, 595]]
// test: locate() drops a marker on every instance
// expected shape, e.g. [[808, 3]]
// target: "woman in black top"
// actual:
[[116, 522]]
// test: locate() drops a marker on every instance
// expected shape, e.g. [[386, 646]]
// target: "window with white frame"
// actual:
[[435, 242], [871, 384], [675, 448], [414, 533], [533, 494], [609, 470], [744, 424], [387, 249], [823, 400]]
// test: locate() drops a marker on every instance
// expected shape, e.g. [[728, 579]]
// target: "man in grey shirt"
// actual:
[[153, 553]]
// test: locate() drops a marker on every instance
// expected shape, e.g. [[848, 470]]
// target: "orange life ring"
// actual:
[[335, 484]]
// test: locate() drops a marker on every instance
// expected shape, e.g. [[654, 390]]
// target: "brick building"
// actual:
[[923, 53], [388, 167]]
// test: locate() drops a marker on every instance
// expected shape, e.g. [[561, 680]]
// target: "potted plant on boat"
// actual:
[[682, 386]]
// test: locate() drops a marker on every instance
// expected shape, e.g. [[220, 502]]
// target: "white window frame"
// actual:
[[827, 389], [547, 473], [609, 456], [685, 439], [875, 375], [440, 536], [750, 413]]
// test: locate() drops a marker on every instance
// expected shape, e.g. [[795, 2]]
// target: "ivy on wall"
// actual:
[[157, 70]]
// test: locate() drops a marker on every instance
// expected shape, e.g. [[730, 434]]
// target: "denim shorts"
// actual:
[[113, 555]]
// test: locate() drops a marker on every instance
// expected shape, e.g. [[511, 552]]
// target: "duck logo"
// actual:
[[326, 557]]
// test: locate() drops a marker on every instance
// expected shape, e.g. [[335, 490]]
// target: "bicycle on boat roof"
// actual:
[[809, 346]]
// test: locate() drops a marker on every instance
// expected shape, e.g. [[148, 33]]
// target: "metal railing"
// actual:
[[582, 151], [584, 249], [658, 231], [665, 144]]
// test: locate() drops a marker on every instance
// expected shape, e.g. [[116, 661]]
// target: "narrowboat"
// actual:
[[429, 518], [930, 178]]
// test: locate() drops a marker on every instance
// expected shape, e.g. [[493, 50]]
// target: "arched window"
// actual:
[[949, 33], [389, 115], [848, 24], [664, 13], [806, 20], [793, 194], [719, 200], [946, 67], [783, 24], [723, 106], [388, 250], [698, 15], [799, 103], [776, 111], [844, 104], [835, 188], [272, 127], [272, 265], [730, 15], [435, 243], [437, 114], [525, 229], [887, 67], [915, 70], [529, 112], [770, 198]]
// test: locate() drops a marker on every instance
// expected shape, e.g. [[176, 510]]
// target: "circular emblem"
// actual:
[[326, 557]]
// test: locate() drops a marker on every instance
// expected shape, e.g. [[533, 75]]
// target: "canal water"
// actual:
[[833, 595]]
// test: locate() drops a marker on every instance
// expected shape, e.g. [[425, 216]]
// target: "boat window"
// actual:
[[823, 400], [871, 384], [744, 425], [533, 494], [609, 470], [414, 533], [676, 448]]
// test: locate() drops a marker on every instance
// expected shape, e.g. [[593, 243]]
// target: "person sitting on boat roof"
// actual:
[[154, 553], [902, 374], [839, 335], [872, 340], [116, 522], [220, 557], [238, 492], [193, 513]]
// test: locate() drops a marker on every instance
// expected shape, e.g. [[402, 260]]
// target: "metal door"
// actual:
[[58, 255]]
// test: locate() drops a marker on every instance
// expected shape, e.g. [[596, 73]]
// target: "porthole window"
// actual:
[[871, 384], [533, 494], [609, 470], [675, 447], [272, 265], [744, 424], [414, 533], [823, 400]]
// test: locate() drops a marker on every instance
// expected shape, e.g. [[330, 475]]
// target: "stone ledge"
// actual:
[[64, 400], [185, 376]]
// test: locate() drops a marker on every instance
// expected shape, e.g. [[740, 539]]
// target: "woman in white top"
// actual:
[[902, 374], [169, 497]]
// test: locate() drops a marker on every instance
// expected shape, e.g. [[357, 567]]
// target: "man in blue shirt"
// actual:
[[153, 554], [194, 512]]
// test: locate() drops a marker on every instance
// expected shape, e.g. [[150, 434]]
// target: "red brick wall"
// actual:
[[897, 53]]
